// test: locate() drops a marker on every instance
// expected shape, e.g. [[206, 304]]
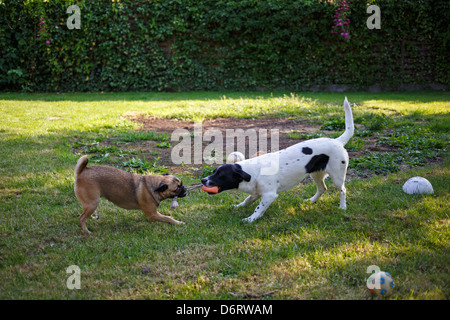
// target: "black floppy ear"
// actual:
[[246, 176], [162, 187], [241, 173]]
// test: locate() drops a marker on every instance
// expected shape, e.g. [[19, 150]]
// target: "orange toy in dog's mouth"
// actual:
[[214, 189]]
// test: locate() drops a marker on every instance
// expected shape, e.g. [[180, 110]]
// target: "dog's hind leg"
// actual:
[[88, 210], [339, 183], [319, 180]]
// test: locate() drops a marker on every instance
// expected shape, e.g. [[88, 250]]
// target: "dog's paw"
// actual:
[[249, 219]]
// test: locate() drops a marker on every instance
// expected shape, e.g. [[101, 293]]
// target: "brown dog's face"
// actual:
[[170, 187]]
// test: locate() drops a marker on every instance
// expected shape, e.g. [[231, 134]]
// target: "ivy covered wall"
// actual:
[[173, 45]]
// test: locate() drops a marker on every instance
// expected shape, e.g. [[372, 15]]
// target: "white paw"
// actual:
[[249, 219], [312, 200]]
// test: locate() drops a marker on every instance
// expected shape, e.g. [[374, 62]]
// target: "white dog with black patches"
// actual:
[[267, 175]]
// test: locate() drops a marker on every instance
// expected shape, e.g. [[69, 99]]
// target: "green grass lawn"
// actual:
[[297, 250]]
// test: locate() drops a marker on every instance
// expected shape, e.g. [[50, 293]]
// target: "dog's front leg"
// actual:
[[156, 216], [249, 200], [342, 204], [266, 200], [150, 208]]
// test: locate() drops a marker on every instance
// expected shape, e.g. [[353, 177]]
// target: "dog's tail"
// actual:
[[81, 164], [349, 126]]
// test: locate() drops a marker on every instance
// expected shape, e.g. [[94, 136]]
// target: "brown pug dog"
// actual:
[[124, 189]]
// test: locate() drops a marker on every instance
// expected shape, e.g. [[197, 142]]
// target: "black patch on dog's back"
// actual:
[[307, 150], [317, 163]]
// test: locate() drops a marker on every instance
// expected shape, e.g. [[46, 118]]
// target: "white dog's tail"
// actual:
[[349, 127]]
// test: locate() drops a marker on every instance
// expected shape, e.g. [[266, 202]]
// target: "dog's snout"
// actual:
[[182, 192], [206, 182]]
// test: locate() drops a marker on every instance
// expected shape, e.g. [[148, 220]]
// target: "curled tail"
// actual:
[[349, 126], [81, 164]]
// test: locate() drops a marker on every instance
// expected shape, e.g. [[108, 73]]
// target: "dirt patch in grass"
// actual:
[[226, 126], [144, 152], [284, 126]]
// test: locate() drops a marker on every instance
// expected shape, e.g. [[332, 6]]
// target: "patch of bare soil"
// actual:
[[227, 127], [149, 150]]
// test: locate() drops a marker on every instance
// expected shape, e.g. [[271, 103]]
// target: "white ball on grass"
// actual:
[[235, 157], [418, 185]]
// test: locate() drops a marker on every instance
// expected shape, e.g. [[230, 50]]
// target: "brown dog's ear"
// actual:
[[162, 187]]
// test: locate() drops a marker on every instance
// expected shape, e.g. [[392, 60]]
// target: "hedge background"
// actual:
[[173, 45]]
